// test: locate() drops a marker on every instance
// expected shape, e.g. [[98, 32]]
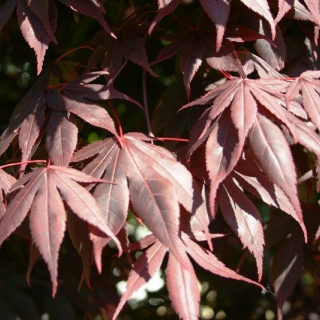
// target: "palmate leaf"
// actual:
[[76, 97], [218, 11], [245, 97], [309, 85], [153, 180], [38, 20], [40, 193], [195, 44], [182, 282], [128, 45]]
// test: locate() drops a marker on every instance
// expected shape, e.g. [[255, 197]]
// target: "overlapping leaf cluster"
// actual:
[[239, 152]]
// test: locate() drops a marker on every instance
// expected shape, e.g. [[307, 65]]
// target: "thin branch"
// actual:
[[115, 76], [72, 50]]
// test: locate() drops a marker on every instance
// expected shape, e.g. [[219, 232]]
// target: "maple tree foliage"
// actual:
[[198, 120]]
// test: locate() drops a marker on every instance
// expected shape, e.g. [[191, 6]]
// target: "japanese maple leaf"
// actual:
[[42, 192], [218, 12], [210, 262], [247, 117], [287, 265], [38, 20], [181, 281], [76, 97], [243, 218], [37, 26], [151, 178], [309, 85], [145, 267], [226, 139], [128, 45], [195, 44]]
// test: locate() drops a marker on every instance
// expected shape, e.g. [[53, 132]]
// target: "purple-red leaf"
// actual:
[[154, 181], [274, 54], [209, 261], [78, 232], [46, 11], [223, 150], [244, 219], [89, 8], [195, 44], [41, 194], [284, 7], [6, 182], [259, 185], [164, 8], [310, 89], [33, 31], [218, 11], [274, 156], [62, 137], [262, 8], [143, 270], [183, 289], [287, 266]]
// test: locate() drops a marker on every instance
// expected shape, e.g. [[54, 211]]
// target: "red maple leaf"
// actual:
[[42, 192]]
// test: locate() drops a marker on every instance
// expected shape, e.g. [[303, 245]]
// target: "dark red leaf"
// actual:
[[112, 53], [25, 111], [164, 8], [314, 8], [41, 10], [6, 182], [218, 11], [310, 88], [154, 181], [33, 31], [287, 266], [262, 8], [89, 8], [195, 44], [79, 234], [275, 54]]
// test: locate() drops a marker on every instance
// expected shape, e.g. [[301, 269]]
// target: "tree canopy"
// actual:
[[176, 139]]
